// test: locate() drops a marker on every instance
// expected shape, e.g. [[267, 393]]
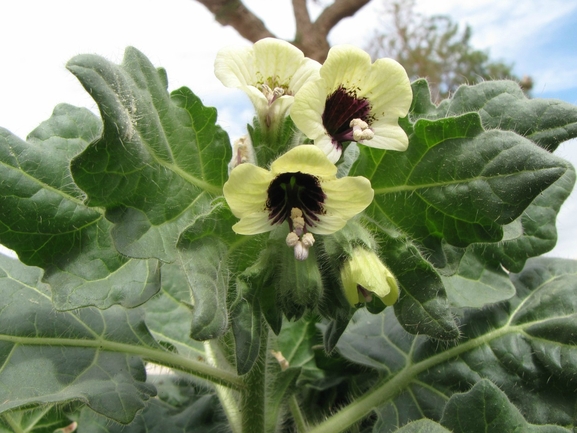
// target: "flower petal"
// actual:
[[388, 136], [246, 189], [347, 66], [234, 66], [327, 224], [388, 88], [347, 196], [308, 71], [280, 107], [307, 159], [257, 98], [330, 149], [276, 59], [393, 295], [253, 224], [308, 108]]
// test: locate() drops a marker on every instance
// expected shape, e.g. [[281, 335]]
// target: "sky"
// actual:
[[38, 37]]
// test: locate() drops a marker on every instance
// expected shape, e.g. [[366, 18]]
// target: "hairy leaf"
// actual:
[[526, 346], [159, 156], [43, 218], [486, 408], [503, 105], [49, 357], [181, 407], [456, 182]]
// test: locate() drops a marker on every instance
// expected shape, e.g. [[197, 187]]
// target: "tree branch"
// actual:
[[310, 38], [339, 10], [235, 14], [302, 17]]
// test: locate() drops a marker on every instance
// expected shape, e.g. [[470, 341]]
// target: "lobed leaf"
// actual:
[[526, 346], [486, 408], [475, 281], [181, 407], [50, 357], [456, 182], [423, 307], [158, 158], [43, 218], [503, 105]]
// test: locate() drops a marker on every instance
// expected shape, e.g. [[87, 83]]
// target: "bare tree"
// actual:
[[311, 36]]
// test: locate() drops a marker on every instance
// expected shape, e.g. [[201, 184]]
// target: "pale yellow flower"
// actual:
[[300, 188], [270, 72], [354, 100], [364, 275]]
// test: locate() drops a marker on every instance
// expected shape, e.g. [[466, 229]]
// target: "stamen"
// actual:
[[298, 222], [301, 251], [308, 240], [292, 239], [267, 92], [361, 130], [271, 94]]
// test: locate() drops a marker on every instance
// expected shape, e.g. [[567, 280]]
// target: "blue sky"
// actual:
[[37, 37]]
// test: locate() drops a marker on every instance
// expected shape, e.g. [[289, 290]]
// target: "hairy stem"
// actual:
[[226, 395], [395, 384], [253, 394], [299, 419]]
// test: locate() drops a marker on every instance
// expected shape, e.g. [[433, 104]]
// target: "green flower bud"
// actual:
[[364, 275]]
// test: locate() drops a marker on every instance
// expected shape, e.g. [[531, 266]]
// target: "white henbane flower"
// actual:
[[300, 188], [354, 100], [270, 72], [364, 275]]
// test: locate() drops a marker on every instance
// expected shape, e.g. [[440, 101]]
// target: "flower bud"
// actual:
[[364, 275]]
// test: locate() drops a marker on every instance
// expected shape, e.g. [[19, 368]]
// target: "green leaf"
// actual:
[[203, 263], [247, 328], [526, 346], [476, 282], [456, 182], [421, 426], [37, 370], [534, 232], [503, 105], [422, 106], [486, 408], [423, 307], [45, 419], [159, 158], [169, 314], [43, 218], [181, 407], [296, 342]]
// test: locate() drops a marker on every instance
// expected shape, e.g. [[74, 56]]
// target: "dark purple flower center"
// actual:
[[340, 108], [295, 190]]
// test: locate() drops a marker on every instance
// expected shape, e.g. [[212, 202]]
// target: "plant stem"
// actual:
[[391, 386], [226, 395], [160, 357], [16, 427], [301, 424], [253, 393]]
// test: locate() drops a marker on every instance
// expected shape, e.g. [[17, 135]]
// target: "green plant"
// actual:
[[127, 258]]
